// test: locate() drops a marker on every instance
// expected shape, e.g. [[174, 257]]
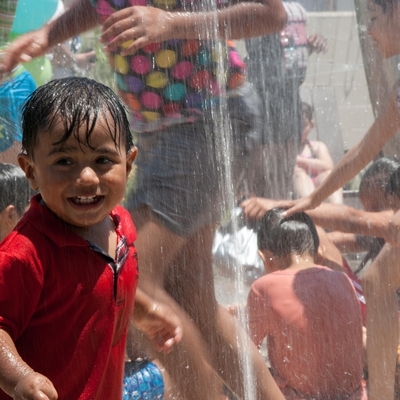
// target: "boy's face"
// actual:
[[79, 184], [383, 28]]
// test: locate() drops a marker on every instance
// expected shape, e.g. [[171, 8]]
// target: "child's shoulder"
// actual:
[[124, 223]]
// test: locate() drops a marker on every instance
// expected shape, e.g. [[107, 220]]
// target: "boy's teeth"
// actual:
[[85, 200]]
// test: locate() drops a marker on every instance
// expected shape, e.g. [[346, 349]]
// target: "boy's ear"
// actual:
[[262, 256], [8, 219], [28, 167], [268, 260], [130, 159], [11, 216]]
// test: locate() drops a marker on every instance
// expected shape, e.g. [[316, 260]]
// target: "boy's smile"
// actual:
[[81, 182]]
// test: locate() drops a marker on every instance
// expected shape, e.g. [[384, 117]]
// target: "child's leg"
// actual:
[[302, 183], [380, 283], [335, 197], [187, 364], [190, 282]]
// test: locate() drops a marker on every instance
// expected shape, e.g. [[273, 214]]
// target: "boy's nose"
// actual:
[[87, 177]]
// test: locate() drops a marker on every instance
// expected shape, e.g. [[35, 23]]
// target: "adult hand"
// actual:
[[135, 27], [24, 48], [160, 324], [35, 386], [256, 207], [299, 205]]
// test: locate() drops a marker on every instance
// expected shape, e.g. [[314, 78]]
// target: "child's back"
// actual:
[[313, 323], [309, 314]]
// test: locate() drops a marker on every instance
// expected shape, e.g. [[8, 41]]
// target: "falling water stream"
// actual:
[[335, 85]]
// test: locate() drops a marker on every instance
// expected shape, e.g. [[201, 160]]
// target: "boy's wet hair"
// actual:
[[15, 189], [393, 186], [292, 235], [378, 174], [77, 103], [386, 4]]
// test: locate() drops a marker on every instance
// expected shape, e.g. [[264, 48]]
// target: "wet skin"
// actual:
[[383, 28], [78, 182]]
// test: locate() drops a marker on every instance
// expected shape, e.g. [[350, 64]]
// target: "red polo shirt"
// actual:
[[66, 305]]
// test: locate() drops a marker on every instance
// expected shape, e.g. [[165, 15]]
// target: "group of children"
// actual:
[[73, 264], [78, 154], [76, 221]]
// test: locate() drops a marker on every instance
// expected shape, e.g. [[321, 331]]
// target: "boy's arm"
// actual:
[[347, 242], [339, 217], [144, 25], [80, 17], [17, 379], [384, 128], [157, 321], [393, 234], [335, 217]]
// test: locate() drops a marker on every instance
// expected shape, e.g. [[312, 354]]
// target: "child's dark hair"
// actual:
[[15, 189], [76, 102], [379, 173], [386, 4], [393, 186], [307, 110], [292, 235]]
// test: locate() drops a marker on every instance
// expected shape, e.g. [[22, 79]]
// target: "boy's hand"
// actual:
[[157, 321], [35, 386], [317, 43]]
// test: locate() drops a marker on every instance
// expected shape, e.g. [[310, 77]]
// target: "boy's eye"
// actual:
[[63, 161], [104, 160]]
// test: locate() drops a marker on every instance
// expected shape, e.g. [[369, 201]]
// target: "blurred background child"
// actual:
[[15, 194], [309, 314]]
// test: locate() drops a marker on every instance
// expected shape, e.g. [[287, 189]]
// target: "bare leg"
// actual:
[[191, 283], [186, 266], [188, 363], [302, 183], [336, 197], [380, 283]]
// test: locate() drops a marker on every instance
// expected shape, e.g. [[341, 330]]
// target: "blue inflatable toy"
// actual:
[[32, 14]]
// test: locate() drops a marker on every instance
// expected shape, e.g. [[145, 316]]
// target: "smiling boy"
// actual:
[[68, 272]]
